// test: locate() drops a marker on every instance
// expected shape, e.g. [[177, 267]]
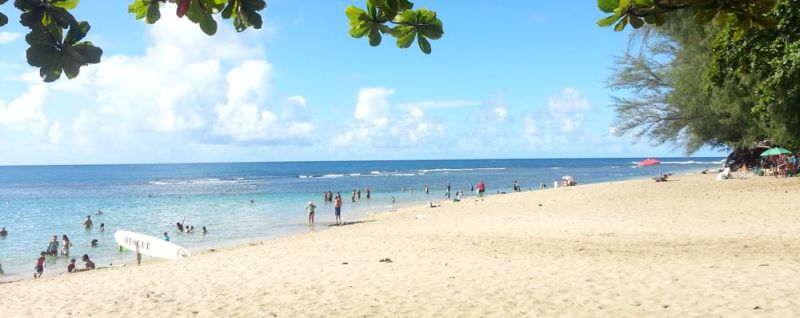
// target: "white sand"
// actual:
[[688, 247]]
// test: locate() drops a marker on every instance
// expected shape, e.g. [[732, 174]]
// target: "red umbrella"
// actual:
[[649, 162]]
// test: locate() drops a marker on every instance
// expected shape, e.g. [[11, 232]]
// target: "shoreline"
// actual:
[[690, 246], [362, 214]]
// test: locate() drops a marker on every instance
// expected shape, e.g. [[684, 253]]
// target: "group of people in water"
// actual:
[[65, 244], [185, 228]]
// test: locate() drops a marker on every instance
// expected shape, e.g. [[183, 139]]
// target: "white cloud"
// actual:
[[379, 123], [561, 123], [8, 37], [298, 100], [568, 102], [454, 103], [372, 105], [241, 119], [25, 122], [25, 110], [186, 89]]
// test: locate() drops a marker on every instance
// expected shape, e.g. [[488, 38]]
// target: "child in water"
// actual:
[[39, 266]]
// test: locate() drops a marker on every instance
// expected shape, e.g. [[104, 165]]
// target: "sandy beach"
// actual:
[[688, 247]]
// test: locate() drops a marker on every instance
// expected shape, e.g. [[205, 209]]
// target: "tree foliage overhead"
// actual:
[[664, 97], [420, 24], [741, 14], [694, 85], [51, 49], [55, 35]]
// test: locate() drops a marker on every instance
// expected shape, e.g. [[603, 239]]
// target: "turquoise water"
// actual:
[[37, 202]]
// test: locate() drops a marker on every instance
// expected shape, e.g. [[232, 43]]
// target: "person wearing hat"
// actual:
[[310, 208]]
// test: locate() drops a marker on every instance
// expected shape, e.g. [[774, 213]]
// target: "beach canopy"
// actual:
[[649, 162], [568, 178], [775, 151]]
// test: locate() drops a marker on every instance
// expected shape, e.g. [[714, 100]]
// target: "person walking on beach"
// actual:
[[39, 266], [66, 244], [310, 209], [481, 188], [87, 224], [337, 208]]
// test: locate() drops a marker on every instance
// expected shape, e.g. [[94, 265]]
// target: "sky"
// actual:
[[509, 79]]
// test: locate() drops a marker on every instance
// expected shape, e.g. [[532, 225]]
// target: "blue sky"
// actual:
[[509, 79]]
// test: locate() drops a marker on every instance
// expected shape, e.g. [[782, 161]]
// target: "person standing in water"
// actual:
[[366, 189], [337, 208], [66, 244], [310, 209], [87, 224], [52, 248]]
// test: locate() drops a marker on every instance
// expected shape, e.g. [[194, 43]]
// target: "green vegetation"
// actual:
[[693, 85]]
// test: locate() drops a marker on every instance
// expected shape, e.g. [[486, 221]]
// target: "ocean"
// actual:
[[244, 202]]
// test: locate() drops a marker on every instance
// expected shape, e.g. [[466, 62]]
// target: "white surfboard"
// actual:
[[149, 245]]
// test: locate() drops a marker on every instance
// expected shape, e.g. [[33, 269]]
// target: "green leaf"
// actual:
[[60, 16], [41, 55], [607, 6], [433, 32], [356, 16], [403, 5], [255, 19], [230, 10], [208, 25], [90, 53], [608, 21], [358, 32], [71, 69], [621, 25], [139, 8], [153, 13], [24, 6], [38, 36], [254, 5], [77, 32], [66, 4], [374, 35], [405, 36], [31, 19], [424, 45], [199, 15], [3, 19], [635, 21]]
